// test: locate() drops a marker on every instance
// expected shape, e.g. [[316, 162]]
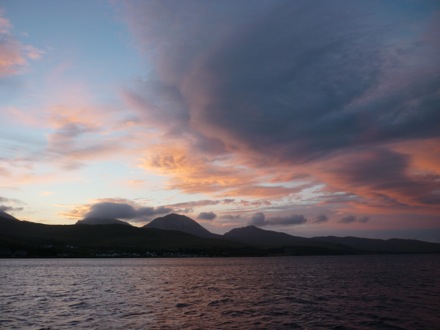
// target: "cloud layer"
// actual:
[[330, 91]]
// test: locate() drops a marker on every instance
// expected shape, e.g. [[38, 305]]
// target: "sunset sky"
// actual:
[[308, 117]]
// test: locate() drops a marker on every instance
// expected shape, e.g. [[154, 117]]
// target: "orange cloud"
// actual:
[[398, 180], [217, 176], [425, 155], [188, 171]]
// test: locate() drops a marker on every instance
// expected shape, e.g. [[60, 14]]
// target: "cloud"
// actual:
[[352, 218], [259, 219], [123, 211], [231, 216], [207, 216], [277, 79], [78, 129], [10, 204], [309, 79], [82, 132], [13, 55], [119, 208], [7, 208], [320, 219], [296, 219], [382, 178], [199, 173], [135, 210], [247, 92]]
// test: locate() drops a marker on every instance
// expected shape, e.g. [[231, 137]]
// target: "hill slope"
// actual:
[[271, 239], [258, 236], [393, 245]]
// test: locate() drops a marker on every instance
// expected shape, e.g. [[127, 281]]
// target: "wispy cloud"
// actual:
[[13, 54]]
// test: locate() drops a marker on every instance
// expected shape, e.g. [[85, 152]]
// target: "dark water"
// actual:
[[349, 292]]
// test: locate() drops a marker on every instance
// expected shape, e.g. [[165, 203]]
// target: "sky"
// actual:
[[308, 117]]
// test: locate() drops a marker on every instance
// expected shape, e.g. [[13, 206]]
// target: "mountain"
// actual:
[[181, 223], [39, 240], [100, 221], [6, 216], [347, 245], [257, 236], [166, 237], [394, 245]]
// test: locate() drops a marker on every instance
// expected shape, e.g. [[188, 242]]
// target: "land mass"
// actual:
[[178, 236]]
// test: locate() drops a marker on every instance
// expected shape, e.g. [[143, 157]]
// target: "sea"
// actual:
[[310, 292]]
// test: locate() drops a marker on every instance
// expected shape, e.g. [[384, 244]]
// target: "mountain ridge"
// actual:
[[94, 240]]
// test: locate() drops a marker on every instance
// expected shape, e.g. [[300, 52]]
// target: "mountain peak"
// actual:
[[174, 221]]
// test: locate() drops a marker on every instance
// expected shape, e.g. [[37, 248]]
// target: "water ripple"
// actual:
[[359, 292]]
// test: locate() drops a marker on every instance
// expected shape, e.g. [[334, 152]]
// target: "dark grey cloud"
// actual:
[[7, 208], [109, 210], [207, 216], [291, 80], [303, 79], [320, 219], [296, 219], [348, 219], [352, 218], [10, 204], [259, 219]]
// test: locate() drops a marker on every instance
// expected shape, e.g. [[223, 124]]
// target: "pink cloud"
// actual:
[[13, 54]]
